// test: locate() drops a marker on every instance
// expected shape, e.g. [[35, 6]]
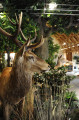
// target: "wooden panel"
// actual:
[[71, 41], [69, 56]]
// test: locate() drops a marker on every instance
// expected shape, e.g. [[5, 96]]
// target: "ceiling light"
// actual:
[[77, 44], [64, 43], [52, 6], [65, 48], [62, 49]]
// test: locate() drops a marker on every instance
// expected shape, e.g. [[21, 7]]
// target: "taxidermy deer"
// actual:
[[15, 82], [59, 62]]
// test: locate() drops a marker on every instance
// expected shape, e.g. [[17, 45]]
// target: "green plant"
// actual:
[[54, 83], [70, 97], [53, 48]]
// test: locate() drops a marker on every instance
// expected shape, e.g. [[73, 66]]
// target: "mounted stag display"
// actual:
[[16, 81], [60, 61]]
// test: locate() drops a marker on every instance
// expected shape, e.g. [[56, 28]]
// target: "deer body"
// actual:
[[16, 82]]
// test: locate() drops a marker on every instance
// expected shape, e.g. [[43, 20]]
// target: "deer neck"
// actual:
[[22, 79], [58, 62]]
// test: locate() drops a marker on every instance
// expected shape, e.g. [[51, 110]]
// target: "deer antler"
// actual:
[[14, 37], [25, 39], [36, 45], [18, 25], [32, 40], [18, 30], [5, 33]]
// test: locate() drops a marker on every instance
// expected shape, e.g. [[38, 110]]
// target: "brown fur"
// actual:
[[16, 82], [59, 62]]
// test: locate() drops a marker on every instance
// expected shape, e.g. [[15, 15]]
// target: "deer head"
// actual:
[[33, 63]]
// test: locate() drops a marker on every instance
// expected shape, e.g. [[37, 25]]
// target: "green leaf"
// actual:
[[48, 15]]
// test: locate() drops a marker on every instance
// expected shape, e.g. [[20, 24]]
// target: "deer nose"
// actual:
[[49, 66]]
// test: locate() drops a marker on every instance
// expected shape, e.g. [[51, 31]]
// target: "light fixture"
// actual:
[[62, 49], [44, 8], [64, 43], [77, 44], [65, 48], [52, 6]]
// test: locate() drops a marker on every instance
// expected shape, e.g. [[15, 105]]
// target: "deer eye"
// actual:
[[31, 57]]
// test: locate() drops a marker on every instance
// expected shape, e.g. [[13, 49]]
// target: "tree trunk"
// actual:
[[43, 50]]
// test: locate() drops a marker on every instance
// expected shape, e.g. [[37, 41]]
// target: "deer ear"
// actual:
[[60, 56]]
